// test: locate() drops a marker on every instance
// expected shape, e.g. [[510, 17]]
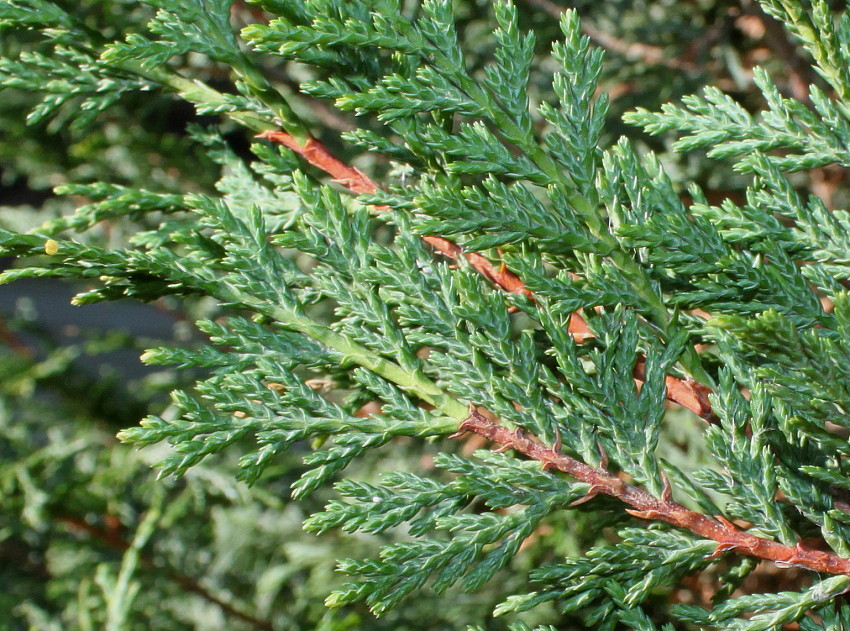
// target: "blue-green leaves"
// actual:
[[475, 546], [611, 580], [577, 124], [201, 26], [508, 77], [715, 121], [499, 215], [34, 13], [809, 136], [824, 37], [72, 81], [771, 611]]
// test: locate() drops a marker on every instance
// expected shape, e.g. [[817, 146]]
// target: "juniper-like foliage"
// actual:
[[512, 294]]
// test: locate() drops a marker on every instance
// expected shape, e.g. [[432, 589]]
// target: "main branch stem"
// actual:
[[646, 506]]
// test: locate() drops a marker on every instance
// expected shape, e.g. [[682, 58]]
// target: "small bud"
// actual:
[[149, 356], [51, 247]]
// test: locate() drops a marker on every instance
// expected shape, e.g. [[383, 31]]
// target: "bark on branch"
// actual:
[[729, 537]]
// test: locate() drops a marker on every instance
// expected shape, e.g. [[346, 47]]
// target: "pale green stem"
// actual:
[[197, 92], [268, 94], [412, 382]]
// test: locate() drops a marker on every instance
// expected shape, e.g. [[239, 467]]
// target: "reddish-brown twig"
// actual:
[[687, 393], [728, 536], [358, 182]]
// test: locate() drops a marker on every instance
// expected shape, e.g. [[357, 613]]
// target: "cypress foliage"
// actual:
[[498, 335]]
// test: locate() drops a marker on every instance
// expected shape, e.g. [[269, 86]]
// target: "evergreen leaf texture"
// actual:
[[538, 308]]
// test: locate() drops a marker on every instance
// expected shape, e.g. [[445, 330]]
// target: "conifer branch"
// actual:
[[728, 536], [595, 242], [688, 393]]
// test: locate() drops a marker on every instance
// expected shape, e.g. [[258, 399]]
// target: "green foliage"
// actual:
[[339, 351]]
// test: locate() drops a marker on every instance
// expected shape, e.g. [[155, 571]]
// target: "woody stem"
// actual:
[[646, 506]]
